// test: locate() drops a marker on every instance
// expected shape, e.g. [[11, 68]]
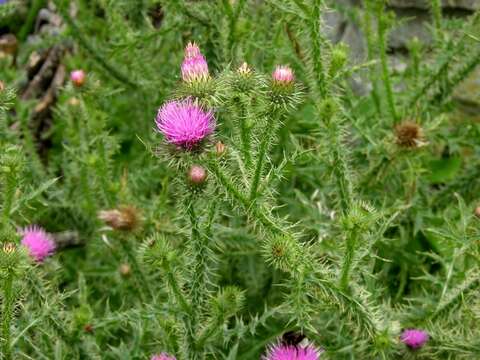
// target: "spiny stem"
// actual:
[[267, 138], [352, 237], [436, 6], [7, 315]]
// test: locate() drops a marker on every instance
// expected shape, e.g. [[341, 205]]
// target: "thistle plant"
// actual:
[[204, 182]]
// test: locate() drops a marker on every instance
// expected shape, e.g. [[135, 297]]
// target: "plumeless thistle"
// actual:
[[38, 242], [197, 175], [414, 338], [292, 352], [184, 123]]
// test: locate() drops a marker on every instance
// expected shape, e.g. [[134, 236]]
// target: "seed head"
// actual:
[[125, 218], [414, 338], [78, 77], [291, 352], [197, 175], [409, 134], [38, 242], [184, 123]]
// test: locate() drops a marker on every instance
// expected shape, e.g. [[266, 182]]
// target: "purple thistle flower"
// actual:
[[192, 50], [194, 66], [194, 69], [283, 75], [291, 352], [414, 338], [184, 123], [163, 356], [39, 243]]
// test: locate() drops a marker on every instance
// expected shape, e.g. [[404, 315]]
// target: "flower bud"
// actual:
[[194, 66], [283, 75], [125, 270], [125, 218], [477, 212], [9, 248], [88, 328], [197, 175], [220, 148], [2, 86], [73, 102], [78, 78], [244, 69]]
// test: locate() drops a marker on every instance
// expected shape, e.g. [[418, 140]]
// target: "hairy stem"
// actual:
[[352, 238], [7, 315]]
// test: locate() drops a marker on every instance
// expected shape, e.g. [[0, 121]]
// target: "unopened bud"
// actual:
[[2, 86], [220, 148], [125, 270], [197, 175], [244, 69], [78, 77], [9, 248], [88, 328], [73, 101], [477, 212]]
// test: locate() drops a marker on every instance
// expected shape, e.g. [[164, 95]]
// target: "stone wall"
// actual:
[[414, 19]]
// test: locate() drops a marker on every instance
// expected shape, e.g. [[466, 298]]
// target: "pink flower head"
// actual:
[[283, 75], [192, 51], [414, 338], [194, 66], [39, 243], [194, 69], [184, 123], [290, 352], [78, 77], [163, 356]]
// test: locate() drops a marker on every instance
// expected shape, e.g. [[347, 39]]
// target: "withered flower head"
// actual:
[[125, 218], [409, 134], [9, 248]]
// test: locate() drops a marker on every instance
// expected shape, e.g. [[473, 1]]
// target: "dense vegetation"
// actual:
[[198, 178]]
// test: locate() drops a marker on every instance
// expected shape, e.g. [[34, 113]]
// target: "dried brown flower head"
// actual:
[[409, 134], [220, 148], [125, 218]]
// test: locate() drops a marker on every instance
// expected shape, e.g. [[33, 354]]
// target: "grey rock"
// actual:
[[425, 4]]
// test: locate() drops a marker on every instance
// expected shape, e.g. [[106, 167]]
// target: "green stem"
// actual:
[[348, 259], [267, 137], [7, 315], [142, 281], [371, 51], [317, 41], [382, 43], [436, 6]]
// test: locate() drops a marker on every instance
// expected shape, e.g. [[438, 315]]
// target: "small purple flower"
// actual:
[[290, 352], [283, 75], [184, 123], [38, 242], [163, 356], [414, 338], [194, 66], [3, 2]]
